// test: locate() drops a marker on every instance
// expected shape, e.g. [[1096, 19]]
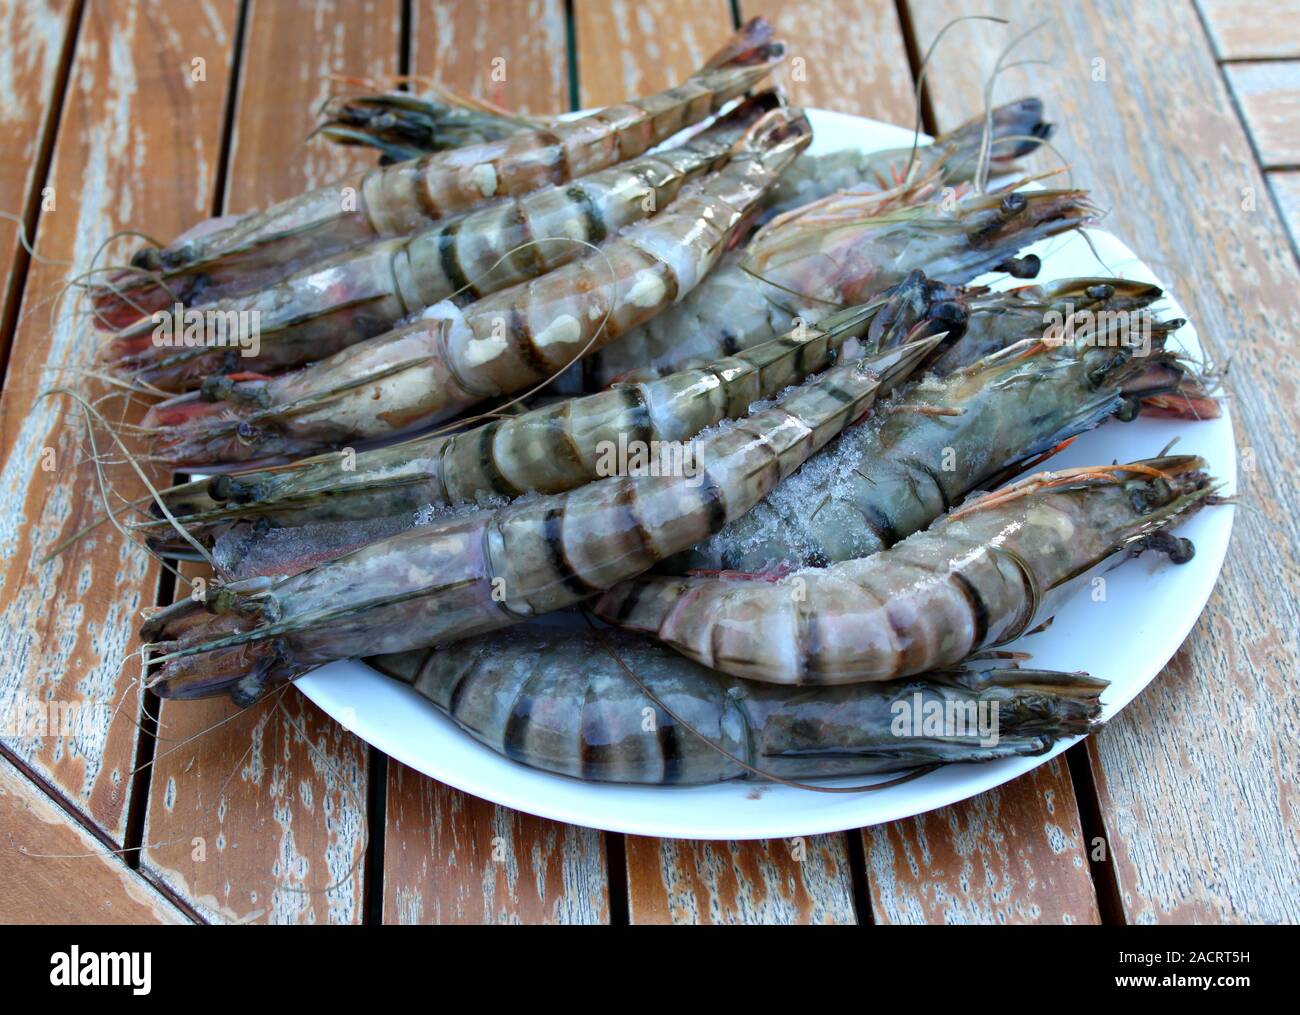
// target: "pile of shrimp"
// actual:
[[795, 448]]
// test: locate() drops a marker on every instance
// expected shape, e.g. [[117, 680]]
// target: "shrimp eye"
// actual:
[[248, 434], [219, 601], [1014, 203], [219, 488], [146, 258], [216, 388], [1099, 292]]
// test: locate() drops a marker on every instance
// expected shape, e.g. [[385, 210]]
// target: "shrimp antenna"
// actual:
[[920, 80], [982, 163], [93, 413], [27, 244]]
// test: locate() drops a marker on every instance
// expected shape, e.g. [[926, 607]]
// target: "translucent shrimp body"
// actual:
[[978, 577], [453, 358], [406, 196], [367, 290], [555, 448], [807, 265], [946, 436], [1018, 127], [492, 569], [556, 700]]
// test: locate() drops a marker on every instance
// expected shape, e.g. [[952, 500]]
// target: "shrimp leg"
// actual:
[[807, 264], [1018, 129]]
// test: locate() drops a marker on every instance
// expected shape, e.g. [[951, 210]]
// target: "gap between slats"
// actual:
[[31, 211]]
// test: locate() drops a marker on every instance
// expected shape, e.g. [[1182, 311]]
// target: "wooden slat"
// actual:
[[1015, 855], [513, 53], [292, 50], [36, 33], [1269, 94], [449, 857], [1286, 188], [68, 625], [769, 881], [1193, 772], [56, 872], [452, 858], [846, 55], [282, 814], [1253, 29], [628, 48]]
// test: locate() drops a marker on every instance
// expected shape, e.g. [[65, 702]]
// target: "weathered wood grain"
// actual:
[[628, 48], [262, 819], [511, 52], [769, 881], [292, 51], [37, 33], [846, 55], [453, 858], [1286, 188], [1197, 777], [276, 795], [1014, 855], [137, 146], [1269, 94], [54, 871], [1253, 29], [449, 857]]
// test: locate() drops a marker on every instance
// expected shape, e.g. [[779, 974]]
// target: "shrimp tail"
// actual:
[[752, 45], [405, 126]]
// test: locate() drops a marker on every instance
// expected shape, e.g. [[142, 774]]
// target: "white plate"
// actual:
[[1149, 608]]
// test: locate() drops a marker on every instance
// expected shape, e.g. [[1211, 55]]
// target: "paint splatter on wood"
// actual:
[[452, 858], [517, 57], [628, 49], [1269, 94], [138, 140], [759, 881], [846, 55], [1012, 855]]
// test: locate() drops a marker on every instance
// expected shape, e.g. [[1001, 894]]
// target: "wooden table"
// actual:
[[1182, 117]]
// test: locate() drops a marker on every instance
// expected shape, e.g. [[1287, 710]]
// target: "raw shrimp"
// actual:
[[1018, 129], [980, 576], [495, 568], [558, 701], [555, 448], [945, 437], [404, 126], [811, 262], [401, 198], [450, 359], [367, 290]]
